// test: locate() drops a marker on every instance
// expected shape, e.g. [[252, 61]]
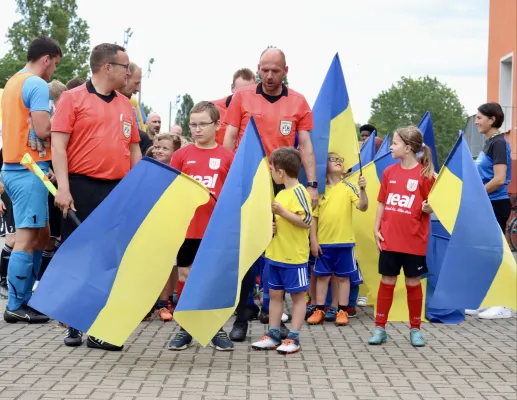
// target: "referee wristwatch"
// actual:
[[312, 184]]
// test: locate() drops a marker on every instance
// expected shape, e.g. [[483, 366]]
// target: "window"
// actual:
[[505, 90]]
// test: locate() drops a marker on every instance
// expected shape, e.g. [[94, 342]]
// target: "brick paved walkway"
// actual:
[[476, 360]]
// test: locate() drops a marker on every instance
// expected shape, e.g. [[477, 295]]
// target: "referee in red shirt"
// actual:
[[95, 142], [280, 113]]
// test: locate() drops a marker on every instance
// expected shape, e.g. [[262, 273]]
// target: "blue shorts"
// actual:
[[339, 261], [29, 197], [292, 280], [356, 278]]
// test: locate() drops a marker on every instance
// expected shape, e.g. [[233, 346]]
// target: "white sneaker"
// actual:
[[497, 312], [474, 313], [362, 301], [285, 317], [266, 343], [288, 346]]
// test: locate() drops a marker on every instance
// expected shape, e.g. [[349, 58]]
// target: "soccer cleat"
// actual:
[[164, 314], [289, 346], [352, 312], [286, 317], [25, 314], [181, 341], [94, 343], [317, 317], [4, 290], [330, 315], [221, 342], [73, 338], [379, 336], [341, 318], [415, 337], [266, 343]]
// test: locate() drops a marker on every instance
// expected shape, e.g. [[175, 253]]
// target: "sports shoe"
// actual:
[[362, 301], [221, 341], [497, 312], [415, 337], [252, 312], [474, 313], [309, 311], [4, 289], [317, 317], [379, 336], [284, 330], [330, 315], [289, 346], [352, 312], [181, 340], [342, 318], [264, 317], [164, 314], [94, 343], [266, 343], [286, 317], [239, 331], [25, 314], [73, 338]]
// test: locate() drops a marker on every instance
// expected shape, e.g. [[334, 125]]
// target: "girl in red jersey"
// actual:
[[402, 228]]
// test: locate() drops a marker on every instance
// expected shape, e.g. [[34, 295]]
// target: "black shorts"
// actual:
[[7, 226], [502, 210], [187, 252], [87, 193], [391, 261], [54, 218]]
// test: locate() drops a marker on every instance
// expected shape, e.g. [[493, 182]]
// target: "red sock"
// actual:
[[414, 303], [179, 289], [384, 300]]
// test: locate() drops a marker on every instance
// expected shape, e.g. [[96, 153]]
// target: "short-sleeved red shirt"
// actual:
[[209, 167], [222, 106], [278, 118], [101, 129], [404, 227]]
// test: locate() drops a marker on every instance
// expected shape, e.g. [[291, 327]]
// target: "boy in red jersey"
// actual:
[[402, 229], [208, 163]]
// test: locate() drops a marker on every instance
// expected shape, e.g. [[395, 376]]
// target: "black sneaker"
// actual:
[[4, 289], [252, 312], [264, 317], [222, 342], [94, 343], [24, 314], [284, 330], [73, 338], [239, 331]]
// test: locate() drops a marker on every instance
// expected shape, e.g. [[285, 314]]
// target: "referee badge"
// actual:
[[285, 127], [214, 163], [126, 130]]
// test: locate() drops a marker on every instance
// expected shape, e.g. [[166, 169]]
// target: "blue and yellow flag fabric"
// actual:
[[334, 126], [367, 152], [426, 127], [385, 146], [478, 269], [239, 231], [108, 274]]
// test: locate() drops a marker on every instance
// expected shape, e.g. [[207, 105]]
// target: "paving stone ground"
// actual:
[[474, 360]]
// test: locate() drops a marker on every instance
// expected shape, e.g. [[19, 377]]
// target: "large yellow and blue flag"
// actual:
[[334, 126], [478, 268], [367, 152], [239, 231], [426, 127], [108, 274]]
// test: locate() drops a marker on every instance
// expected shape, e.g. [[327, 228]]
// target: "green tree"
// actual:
[[257, 76], [406, 102], [183, 114], [147, 109], [57, 19]]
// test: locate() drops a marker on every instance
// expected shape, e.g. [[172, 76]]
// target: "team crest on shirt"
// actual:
[[214, 163], [126, 130], [285, 127], [412, 184]]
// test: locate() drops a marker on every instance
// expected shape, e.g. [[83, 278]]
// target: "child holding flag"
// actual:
[[332, 238], [288, 252], [402, 229]]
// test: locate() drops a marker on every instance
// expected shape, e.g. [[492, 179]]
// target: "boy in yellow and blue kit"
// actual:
[[288, 253], [332, 238]]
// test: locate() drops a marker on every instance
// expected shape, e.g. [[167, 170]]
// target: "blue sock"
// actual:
[[36, 266], [354, 294], [19, 276], [328, 301], [265, 286], [274, 333], [295, 335]]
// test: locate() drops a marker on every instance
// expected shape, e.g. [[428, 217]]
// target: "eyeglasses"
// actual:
[[336, 159], [125, 66], [201, 125]]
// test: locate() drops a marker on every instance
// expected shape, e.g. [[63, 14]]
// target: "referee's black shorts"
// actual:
[[87, 193]]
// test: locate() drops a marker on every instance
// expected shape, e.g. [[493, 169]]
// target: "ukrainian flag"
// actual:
[[385, 146], [426, 127], [334, 127], [239, 231], [478, 268], [108, 274], [367, 152]]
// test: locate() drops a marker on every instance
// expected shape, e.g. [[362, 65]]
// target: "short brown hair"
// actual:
[[175, 139], [288, 159], [103, 54], [245, 74], [493, 110], [74, 82], [207, 106]]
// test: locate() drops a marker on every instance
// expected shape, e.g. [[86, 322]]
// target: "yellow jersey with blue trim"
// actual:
[[289, 247], [334, 213]]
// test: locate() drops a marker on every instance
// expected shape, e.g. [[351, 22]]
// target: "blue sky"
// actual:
[[198, 45]]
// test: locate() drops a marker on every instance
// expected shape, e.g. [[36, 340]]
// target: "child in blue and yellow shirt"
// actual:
[[288, 253], [332, 238]]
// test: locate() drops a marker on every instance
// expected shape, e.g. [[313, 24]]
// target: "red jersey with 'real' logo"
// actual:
[[404, 227], [209, 167]]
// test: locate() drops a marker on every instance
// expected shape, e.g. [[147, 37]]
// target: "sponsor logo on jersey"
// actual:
[[207, 180], [400, 203]]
